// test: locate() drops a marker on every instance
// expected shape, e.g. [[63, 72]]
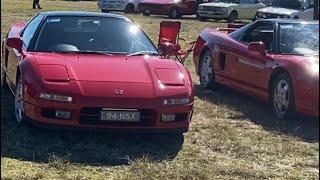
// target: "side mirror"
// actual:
[[258, 47], [166, 49], [15, 42]]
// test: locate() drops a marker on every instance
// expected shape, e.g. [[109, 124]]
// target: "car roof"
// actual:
[[81, 13], [291, 21]]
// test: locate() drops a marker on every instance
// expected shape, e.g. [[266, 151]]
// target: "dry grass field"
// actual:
[[231, 136]]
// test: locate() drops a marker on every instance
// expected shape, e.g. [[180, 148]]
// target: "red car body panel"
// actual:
[[164, 7], [250, 73], [91, 80]]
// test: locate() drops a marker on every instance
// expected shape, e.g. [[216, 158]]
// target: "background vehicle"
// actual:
[[274, 60], [294, 9], [172, 8], [71, 69], [128, 6], [230, 10]]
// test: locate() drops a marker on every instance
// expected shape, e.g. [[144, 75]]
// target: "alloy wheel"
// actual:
[[281, 98], [206, 70], [19, 101]]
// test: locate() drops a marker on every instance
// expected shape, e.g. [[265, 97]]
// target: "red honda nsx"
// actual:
[[276, 61], [94, 70]]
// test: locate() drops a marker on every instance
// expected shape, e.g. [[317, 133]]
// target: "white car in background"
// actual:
[[127, 6], [230, 10], [294, 9]]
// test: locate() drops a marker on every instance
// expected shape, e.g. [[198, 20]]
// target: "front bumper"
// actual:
[[214, 15], [111, 7], [84, 117]]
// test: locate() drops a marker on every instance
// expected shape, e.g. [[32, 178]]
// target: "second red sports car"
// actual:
[[172, 8], [94, 70], [273, 60]]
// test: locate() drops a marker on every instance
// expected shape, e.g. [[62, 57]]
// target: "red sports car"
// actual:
[[274, 60], [172, 8], [94, 70]]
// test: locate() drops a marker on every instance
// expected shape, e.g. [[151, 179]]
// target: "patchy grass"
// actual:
[[231, 136]]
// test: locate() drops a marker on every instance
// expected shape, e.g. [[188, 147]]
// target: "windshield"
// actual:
[[229, 1], [92, 34], [289, 4], [300, 39]]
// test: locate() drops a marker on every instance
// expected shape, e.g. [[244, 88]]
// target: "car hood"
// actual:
[[278, 10], [101, 68], [220, 4]]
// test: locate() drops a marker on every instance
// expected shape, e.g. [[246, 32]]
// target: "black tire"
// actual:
[[174, 13], [104, 11], [281, 80], [201, 18], [129, 9], [206, 82], [3, 78], [146, 14], [232, 17], [19, 119]]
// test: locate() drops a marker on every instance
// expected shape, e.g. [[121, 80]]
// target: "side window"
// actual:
[[30, 30], [262, 31], [244, 1], [311, 4]]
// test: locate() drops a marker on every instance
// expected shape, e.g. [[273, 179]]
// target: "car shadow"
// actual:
[[26, 142], [306, 128], [194, 17]]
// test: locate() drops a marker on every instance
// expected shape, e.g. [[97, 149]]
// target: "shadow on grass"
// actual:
[[194, 17], [306, 128], [39, 145]]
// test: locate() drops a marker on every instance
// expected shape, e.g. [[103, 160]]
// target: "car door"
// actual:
[[247, 69], [307, 10], [255, 5], [248, 8], [244, 9], [14, 57], [188, 6]]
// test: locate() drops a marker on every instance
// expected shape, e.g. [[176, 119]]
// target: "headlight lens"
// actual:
[[54, 97], [314, 68], [177, 101], [259, 14]]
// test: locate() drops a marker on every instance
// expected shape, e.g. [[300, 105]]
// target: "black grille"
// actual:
[[273, 16], [48, 113], [91, 116], [181, 117], [211, 8]]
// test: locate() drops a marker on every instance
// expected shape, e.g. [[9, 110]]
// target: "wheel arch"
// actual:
[[234, 10], [130, 4]]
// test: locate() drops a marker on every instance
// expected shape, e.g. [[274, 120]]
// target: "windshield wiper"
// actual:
[[85, 52], [141, 53]]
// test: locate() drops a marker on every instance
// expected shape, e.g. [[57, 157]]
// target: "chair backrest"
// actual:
[[169, 30]]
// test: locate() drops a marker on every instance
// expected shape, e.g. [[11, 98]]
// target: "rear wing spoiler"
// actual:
[[231, 27]]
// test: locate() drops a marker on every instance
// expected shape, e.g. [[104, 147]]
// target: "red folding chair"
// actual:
[[169, 33]]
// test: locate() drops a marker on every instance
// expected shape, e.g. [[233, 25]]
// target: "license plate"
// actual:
[[120, 115], [147, 11]]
